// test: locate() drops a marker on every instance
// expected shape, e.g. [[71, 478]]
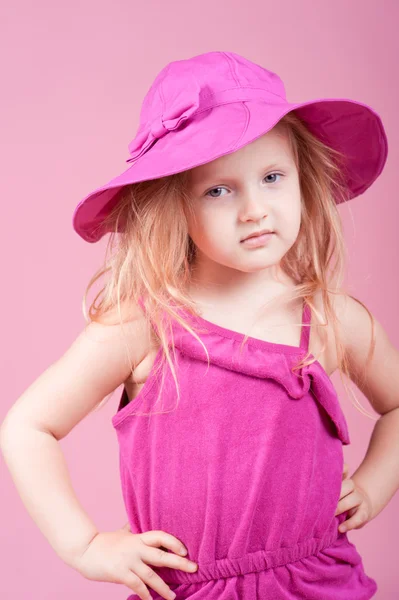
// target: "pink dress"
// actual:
[[246, 471]]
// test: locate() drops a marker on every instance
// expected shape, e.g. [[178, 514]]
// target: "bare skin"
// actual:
[[288, 334]]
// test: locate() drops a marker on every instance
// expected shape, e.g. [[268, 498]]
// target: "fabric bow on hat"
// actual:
[[179, 104]]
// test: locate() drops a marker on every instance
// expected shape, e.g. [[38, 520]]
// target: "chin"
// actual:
[[254, 268]]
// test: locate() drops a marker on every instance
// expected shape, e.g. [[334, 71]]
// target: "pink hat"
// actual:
[[210, 105]]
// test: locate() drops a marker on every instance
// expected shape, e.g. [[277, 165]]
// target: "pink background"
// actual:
[[73, 78]]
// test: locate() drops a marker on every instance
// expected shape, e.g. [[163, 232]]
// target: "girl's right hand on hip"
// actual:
[[124, 557]]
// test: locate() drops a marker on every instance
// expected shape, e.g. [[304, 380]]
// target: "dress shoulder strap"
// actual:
[[305, 329]]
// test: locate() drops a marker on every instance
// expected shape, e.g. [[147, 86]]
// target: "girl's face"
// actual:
[[254, 188]]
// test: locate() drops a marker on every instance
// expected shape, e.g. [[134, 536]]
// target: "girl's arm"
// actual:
[[40, 474], [378, 474], [94, 366]]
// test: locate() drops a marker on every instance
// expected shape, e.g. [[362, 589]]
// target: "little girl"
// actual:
[[224, 317]]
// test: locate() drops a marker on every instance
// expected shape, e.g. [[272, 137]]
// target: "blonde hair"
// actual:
[[152, 257]]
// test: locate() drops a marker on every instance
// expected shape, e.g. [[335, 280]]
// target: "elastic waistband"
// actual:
[[250, 563]]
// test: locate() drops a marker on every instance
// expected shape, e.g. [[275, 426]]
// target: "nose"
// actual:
[[253, 207]]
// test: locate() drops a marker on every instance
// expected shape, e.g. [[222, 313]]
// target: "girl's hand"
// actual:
[[356, 501], [124, 557]]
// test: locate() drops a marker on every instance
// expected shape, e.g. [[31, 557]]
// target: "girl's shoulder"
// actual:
[[139, 337], [351, 320], [129, 312], [96, 363], [129, 321], [373, 360]]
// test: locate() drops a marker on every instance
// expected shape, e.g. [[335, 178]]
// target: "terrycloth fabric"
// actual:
[[246, 471]]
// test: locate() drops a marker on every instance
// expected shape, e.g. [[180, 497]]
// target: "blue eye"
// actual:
[[223, 188], [271, 174]]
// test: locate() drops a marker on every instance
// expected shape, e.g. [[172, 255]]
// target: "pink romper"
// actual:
[[246, 471]]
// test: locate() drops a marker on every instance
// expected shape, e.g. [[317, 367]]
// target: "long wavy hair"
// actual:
[[153, 255]]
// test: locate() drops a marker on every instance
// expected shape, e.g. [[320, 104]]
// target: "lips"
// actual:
[[257, 234]]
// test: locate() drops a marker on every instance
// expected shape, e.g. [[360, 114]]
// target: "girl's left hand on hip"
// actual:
[[356, 501]]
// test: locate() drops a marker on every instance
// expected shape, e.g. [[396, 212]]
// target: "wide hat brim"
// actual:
[[349, 126]]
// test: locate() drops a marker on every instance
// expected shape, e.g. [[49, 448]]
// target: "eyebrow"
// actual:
[[213, 177]]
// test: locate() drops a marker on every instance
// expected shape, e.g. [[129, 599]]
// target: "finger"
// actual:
[[348, 502], [147, 575], [355, 522], [351, 512], [133, 582], [159, 558], [157, 538], [347, 487]]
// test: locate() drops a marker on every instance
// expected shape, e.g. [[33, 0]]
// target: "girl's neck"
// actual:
[[243, 294], [245, 303]]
